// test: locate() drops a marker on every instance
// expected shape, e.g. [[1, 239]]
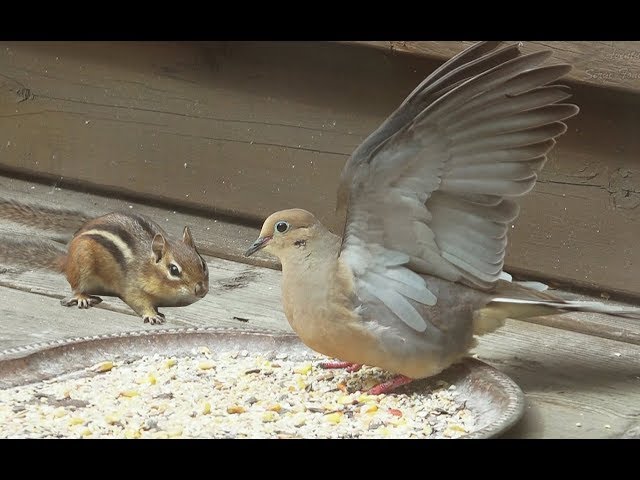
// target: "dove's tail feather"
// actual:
[[494, 314], [537, 286]]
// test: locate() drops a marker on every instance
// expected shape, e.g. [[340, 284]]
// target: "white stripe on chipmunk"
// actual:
[[115, 239]]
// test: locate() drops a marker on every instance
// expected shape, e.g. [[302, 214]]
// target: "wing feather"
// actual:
[[433, 190]]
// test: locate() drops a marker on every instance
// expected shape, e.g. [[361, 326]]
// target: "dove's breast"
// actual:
[[325, 311]]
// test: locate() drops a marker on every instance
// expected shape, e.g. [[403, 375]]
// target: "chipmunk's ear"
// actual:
[[187, 238], [158, 246]]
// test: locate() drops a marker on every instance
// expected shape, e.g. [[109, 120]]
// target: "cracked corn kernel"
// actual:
[[334, 417], [206, 365], [103, 367], [452, 430], [371, 409], [112, 419], [170, 363], [59, 412], [86, 432], [152, 379], [236, 409], [364, 398], [270, 416], [76, 421], [275, 407], [131, 433], [129, 393], [206, 408], [303, 370]]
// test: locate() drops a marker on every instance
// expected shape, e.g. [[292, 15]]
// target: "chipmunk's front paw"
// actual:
[[156, 319], [81, 300]]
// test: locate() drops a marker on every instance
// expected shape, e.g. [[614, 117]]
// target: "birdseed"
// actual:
[[234, 395]]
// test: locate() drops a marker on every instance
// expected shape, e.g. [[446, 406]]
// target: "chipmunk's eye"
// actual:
[[282, 227], [174, 270]]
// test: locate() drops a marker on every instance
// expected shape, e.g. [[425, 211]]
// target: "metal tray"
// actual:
[[496, 400]]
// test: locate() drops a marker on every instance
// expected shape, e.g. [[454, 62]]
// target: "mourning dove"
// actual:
[[428, 200]]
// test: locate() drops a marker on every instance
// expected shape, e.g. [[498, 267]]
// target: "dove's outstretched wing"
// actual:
[[433, 189]]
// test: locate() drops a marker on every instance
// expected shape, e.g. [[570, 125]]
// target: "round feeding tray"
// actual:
[[490, 401]]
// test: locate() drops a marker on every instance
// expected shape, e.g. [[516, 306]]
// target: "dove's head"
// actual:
[[285, 232]]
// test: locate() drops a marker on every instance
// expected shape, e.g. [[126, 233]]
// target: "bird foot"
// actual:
[[390, 385], [351, 367]]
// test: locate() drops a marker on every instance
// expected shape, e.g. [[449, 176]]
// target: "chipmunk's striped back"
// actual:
[[124, 235]]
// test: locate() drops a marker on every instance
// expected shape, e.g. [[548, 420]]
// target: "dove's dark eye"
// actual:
[[282, 227]]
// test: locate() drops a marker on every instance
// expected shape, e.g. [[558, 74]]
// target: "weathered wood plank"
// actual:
[[611, 64], [227, 276], [267, 126], [230, 279], [240, 296], [27, 318], [568, 378], [214, 237], [137, 113]]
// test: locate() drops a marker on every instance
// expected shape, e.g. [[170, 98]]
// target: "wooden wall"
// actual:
[[243, 129]]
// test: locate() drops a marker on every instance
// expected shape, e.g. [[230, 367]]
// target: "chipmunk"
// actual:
[[119, 254]]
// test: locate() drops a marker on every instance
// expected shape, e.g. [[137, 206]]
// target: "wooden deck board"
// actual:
[[248, 128], [236, 290], [220, 238], [569, 378], [611, 64]]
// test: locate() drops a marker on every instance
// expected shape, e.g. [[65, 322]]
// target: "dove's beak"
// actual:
[[257, 245]]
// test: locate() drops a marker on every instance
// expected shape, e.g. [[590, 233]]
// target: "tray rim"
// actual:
[[506, 420]]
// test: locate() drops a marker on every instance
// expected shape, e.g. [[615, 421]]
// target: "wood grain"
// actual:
[[609, 64], [577, 386], [569, 378], [229, 280], [239, 296], [244, 129], [214, 235]]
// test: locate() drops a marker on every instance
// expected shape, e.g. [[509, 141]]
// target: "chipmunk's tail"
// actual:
[[39, 254], [41, 217]]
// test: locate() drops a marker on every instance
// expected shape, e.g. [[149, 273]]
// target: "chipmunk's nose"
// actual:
[[201, 289]]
